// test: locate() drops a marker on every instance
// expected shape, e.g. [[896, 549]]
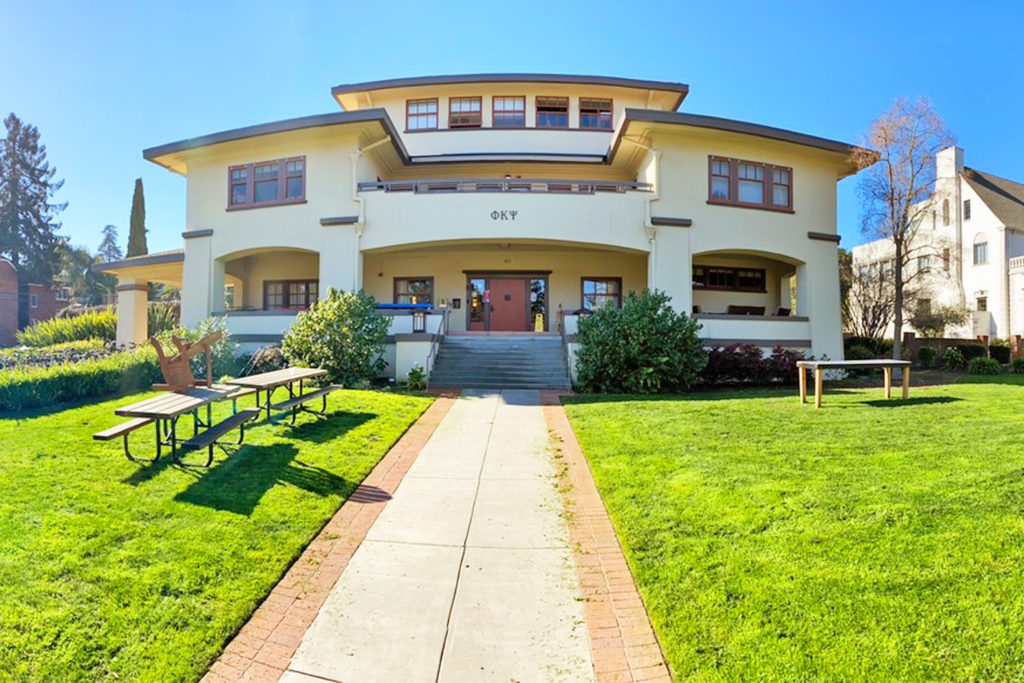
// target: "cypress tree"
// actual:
[[137, 231]]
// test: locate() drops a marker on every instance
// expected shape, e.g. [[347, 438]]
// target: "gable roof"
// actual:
[[1004, 197]]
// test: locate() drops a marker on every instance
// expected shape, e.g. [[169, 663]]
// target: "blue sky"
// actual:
[[102, 81]]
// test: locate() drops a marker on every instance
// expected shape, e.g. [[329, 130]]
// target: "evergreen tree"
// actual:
[[137, 231], [109, 249], [28, 224]]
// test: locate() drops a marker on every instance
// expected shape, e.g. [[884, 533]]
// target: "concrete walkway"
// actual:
[[467, 575]]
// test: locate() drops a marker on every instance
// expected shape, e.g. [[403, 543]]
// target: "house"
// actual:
[[968, 251], [504, 203], [26, 305]]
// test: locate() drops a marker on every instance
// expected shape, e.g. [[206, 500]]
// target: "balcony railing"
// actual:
[[541, 185], [1017, 263]]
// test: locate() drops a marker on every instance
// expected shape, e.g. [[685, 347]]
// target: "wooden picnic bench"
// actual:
[[819, 367], [269, 382]]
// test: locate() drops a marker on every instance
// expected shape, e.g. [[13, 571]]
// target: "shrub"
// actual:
[[1001, 354], [971, 351], [164, 316], [92, 325], [1017, 366], [341, 333], [953, 359], [266, 359], [747, 363], [417, 379], [858, 352], [926, 356], [880, 348], [644, 347], [984, 366], [782, 364]]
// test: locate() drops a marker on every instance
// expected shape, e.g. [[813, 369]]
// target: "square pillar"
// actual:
[[196, 284], [132, 311], [341, 262], [670, 266]]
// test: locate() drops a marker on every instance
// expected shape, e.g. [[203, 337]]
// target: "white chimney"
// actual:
[[949, 163]]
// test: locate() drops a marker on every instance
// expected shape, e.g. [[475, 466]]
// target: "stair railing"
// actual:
[[435, 345]]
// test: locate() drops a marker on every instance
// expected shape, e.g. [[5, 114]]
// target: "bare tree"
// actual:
[[896, 189], [870, 303]]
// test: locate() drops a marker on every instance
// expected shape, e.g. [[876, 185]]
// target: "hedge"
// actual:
[[65, 352], [92, 325]]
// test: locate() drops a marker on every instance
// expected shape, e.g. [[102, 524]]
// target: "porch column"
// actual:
[[341, 262], [196, 281], [818, 297], [670, 267], [132, 311]]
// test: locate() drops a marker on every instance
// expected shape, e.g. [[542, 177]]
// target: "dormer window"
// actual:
[[509, 112], [464, 112], [421, 114], [595, 113], [552, 112]]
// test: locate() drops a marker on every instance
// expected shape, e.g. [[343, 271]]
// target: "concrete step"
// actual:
[[500, 363]]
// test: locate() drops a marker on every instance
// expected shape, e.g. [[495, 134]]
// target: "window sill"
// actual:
[[774, 209], [268, 205]]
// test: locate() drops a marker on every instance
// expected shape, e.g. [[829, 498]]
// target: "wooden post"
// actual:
[[818, 374], [801, 373], [887, 373], [906, 383]]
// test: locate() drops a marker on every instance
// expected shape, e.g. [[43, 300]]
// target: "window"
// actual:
[[595, 113], [945, 260], [863, 271], [598, 292], [289, 293], [33, 300], [981, 253], [886, 269], [267, 183], [421, 114], [464, 112], [924, 306], [729, 279], [552, 112], [509, 112], [945, 212], [749, 183], [982, 304], [63, 293], [924, 263], [967, 209], [414, 290]]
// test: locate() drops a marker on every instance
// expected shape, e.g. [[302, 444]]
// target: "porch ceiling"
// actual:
[[163, 267]]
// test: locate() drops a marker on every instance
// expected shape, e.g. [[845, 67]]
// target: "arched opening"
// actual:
[[749, 283], [270, 279]]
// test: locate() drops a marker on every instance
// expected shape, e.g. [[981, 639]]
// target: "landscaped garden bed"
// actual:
[[868, 540]]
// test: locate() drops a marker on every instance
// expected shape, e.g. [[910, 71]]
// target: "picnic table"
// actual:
[[819, 367], [268, 382]]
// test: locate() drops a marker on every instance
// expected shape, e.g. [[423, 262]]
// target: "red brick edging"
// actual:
[[622, 641], [263, 648]]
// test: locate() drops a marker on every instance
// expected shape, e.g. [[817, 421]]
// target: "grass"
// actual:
[[112, 570], [868, 540]]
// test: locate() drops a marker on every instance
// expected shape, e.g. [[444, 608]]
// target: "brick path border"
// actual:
[[263, 648], [622, 641]]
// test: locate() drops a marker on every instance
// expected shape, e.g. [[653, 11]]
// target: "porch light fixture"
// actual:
[[419, 322]]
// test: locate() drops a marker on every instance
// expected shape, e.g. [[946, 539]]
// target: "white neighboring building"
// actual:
[[974, 255]]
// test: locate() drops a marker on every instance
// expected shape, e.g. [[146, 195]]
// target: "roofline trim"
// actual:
[[175, 256]]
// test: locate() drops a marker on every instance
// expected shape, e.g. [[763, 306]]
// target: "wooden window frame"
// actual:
[[735, 270], [494, 111], [282, 183], [395, 281], [599, 278], [409, 117], [479, 112], [611, 113], [768, 182], [537, 112], [287, 295]]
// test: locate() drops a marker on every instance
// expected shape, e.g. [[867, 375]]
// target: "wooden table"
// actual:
[[268, 382], [819, 367], [167, 408]]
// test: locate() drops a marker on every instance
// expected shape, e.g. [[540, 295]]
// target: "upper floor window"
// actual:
[[750, 183], [33, 301], [289, 293], [599, 292], [414, 290], [464, 112], [981, 253], [267, 183], [552, 112], [421, 114], [509, 112], [945, 212], [595, 113], [924, 263], [63, 293], [967, 209], [982, 303]]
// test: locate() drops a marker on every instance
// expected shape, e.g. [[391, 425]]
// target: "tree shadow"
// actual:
[[327, 427], [916, 401]]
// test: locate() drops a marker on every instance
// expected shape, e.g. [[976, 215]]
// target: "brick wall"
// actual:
[[8, 303]]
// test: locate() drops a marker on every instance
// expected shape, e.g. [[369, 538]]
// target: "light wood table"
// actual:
[[819, 367]]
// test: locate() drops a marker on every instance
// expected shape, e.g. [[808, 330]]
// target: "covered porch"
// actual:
[[133, 277]]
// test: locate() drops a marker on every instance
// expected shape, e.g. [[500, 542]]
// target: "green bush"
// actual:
[[926, 356], [225, 352], [92, 325], [164, 316], [953, 359], [265, 359], [880, 348], [971, 351], [644, 347], [34, 387], [984, 366], [417, 379], [1001, 354], [858, 352], [341, 333], [1017, 366]]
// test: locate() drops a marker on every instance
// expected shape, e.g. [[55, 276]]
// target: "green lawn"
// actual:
[[109, 569], [868, 540]]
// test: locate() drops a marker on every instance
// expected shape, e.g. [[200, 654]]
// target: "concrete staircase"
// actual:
[[500, 362]]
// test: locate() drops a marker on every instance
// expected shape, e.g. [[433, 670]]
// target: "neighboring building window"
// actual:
[[414, 290], [982, 303], [967, 209], [886, 269], [509, 112], [63, 293], [421, 114], [464, 112], [864, 272], [750, 183], [595, 113], [267, 183], [33, 300], [924, 306], [945, 260], [289, 293], [552, 112], [924, 263], [945, 212], [729, 279], [598, 292], [981, 253]]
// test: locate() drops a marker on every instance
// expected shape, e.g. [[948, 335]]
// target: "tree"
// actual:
[[109, 249], [932, 321], [88, 287], [28, 225], [137, 229], [845, 285], [870, 303], [896, 188]]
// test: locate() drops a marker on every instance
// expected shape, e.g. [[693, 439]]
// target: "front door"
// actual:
[[509, 304]]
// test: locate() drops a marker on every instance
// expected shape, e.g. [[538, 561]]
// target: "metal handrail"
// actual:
[[540, 185], [435, 346]]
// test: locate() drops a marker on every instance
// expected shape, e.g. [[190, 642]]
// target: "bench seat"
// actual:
[[122, 429], [210, 436], [299, 400]]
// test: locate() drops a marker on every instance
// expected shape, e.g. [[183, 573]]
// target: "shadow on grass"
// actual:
[[325, 428], [718, 394], [914, 401]]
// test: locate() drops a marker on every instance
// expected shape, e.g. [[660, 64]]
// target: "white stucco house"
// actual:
[[504, 203], [971, 246]]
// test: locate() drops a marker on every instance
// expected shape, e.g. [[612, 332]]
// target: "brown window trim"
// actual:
[[734, 269], [282, 183], [511, 111], [480, 112], [395, 280], [537, 112], [768, 183], [599, 278], [286, 284], [437, 114], [611, 113]]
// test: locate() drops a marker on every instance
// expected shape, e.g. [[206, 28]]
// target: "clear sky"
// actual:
[[103, 81]]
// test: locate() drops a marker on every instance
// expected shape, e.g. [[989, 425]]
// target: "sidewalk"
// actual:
[[467, 574]]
